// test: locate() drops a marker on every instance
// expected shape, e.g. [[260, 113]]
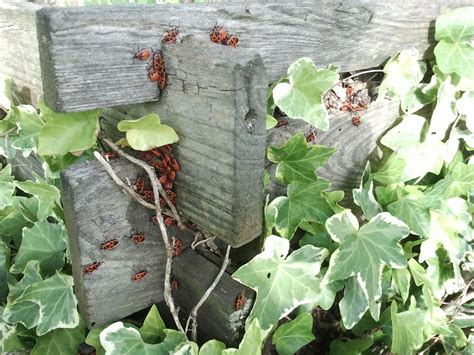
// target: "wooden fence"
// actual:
[[81, 58]]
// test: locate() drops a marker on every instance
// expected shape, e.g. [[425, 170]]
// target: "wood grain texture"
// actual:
[[96, 208], [354, 145], [217, 107], [19, 55], [86, 53]]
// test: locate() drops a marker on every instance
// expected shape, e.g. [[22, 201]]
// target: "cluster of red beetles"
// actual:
[[157, 67], [353, 106]]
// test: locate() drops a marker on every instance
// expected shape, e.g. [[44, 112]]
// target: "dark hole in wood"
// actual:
[[249, 120], [340, 129], [92, 324], [269, 275]]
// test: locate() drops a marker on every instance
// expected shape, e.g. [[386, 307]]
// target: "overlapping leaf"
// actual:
[[60, 341], [454, 52], [29, 126], [45, 242], [364, 195], [297, 161], [48, 196], [365, 251], [282, 281], [292, 336], [252, 341], [305, 202], [67, 132], [147, 132], [302, 97], [48, 305]]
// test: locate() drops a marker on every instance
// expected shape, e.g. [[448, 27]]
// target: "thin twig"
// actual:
[[192, 319], [149, 170], [156, 185], [125, 188], [196, 243]]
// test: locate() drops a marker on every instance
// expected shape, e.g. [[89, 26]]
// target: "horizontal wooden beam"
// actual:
[[86, 52]]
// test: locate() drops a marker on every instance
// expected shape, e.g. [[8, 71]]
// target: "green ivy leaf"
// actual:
[[355, 302], [401, 278], [444, 113], [118, 339], [454, 52], [60, 341], [364, 195], [212, 347], [48, 196], [350, 347], [4, 266], [45, 242], [458, 182], [93, 339], [270, 122], [403, 72], [12, 219], [7, 190], [464, 106], [67, 132], [29, 126], [252, 341], [391, 172], [305, 202], [292, 336], [420, 157], [48, 305], [365, 251], [302, 97], [31, 275], [147, 132], [297, 161], [282, 283], [153, 328], [410, 208]]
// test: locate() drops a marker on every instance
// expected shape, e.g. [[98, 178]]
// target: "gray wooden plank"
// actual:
[[94, 206], [19, 55], [86, 53], [354, 145], [217, 106]]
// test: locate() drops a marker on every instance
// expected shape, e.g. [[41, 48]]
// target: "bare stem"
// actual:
[[149, 170], [192, 319], [156, 186], [125, 188]]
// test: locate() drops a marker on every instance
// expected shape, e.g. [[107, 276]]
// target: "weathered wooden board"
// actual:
[[95, 207], [19, 55], [354, 145], [86, 53], [217, 106]]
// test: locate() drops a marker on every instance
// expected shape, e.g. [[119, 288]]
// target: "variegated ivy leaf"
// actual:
[[445, 111], [48, 196], [282, 281], [363, 253], [302, 97], [49, 304], [455, 51], [119, 339], [60, 341], [297, 161], [251, 343], [420, 156], [29, 126], [464, 106], [364, 195]]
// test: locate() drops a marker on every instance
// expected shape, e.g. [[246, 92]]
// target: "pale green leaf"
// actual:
[[6, 173], [29, 126], [282, 281], [12, 219], [270, 122], [366, 251], [48, 196], [364, 195], [48, 304], [292, 336], [4, 266], [67, 132], [45, 242], [420, 157], [93, 339], [297, 161], [60, 341], [444, 113], [403, 72], [212, 347], [391, 172], [302, 97], [6, 194], [31, 275], [305, 202], [118, 339], [147, 132], [6, 98], [152, 330], [187, 348], [252, 341], [401, 278], [464, 106], [355, 302], [454, 52]]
